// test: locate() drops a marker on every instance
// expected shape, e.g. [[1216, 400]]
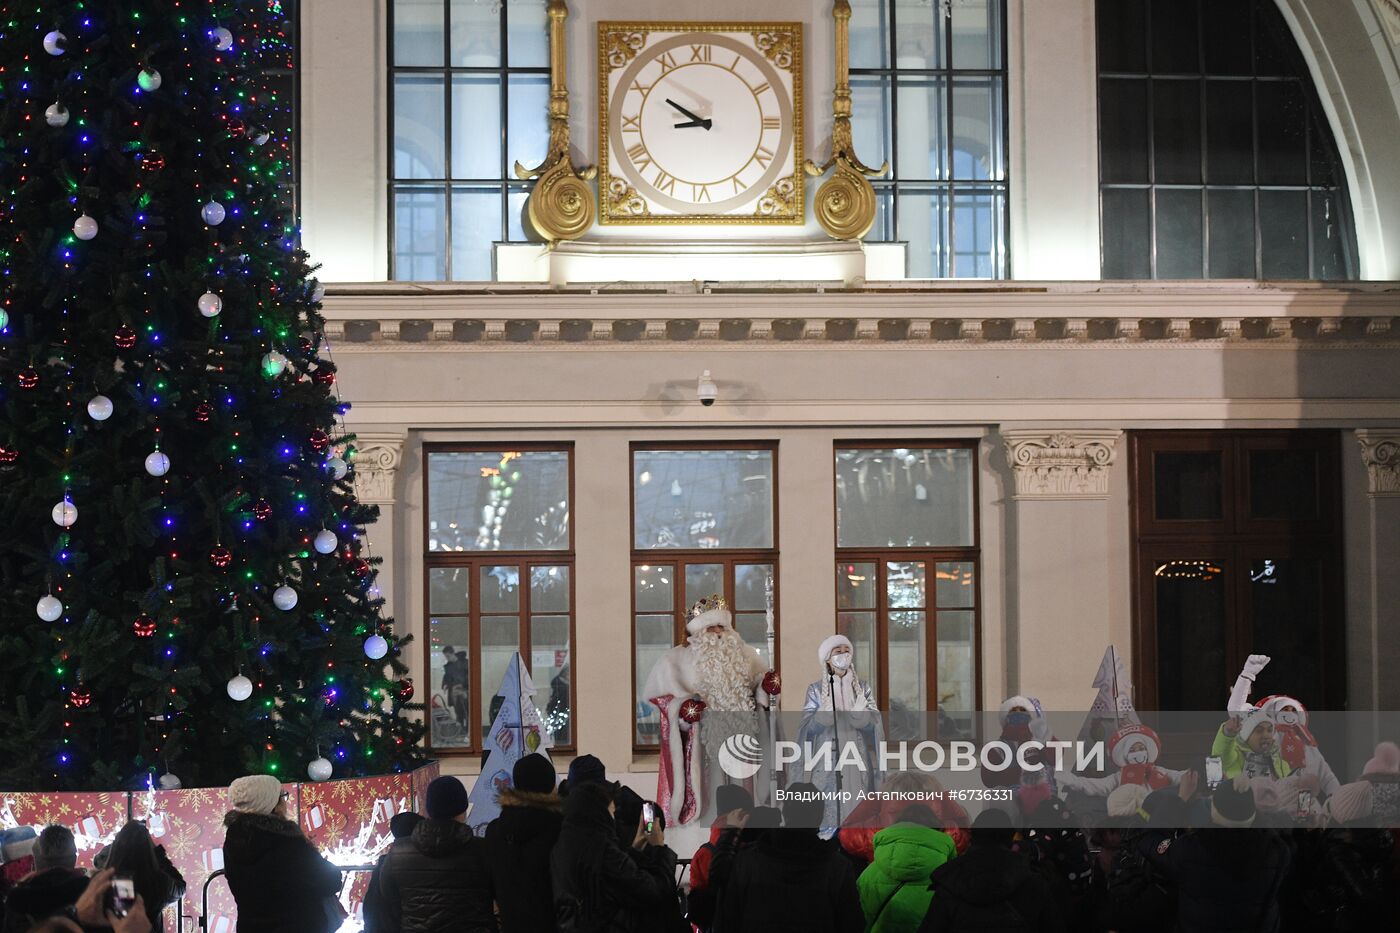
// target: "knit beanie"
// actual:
[[1385, 761], [1355, 801], [401, 825], [628, 814], [586, 768], [1232, 806], [732, 797], [255, 793], [533, 774], [993, 827], [1126, 800], [446, 798]]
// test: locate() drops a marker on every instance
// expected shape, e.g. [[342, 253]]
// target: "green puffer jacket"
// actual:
[[894, 890]]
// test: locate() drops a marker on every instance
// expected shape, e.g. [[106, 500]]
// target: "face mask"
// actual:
[[1137, 758], [841, 661], [1288, 718], [1018, 719]]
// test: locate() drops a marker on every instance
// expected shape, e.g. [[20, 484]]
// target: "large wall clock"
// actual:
[[700, 123]]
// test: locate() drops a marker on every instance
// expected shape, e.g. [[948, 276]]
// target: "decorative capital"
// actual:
[[1380, 451], [376, 461], [1065, 464]]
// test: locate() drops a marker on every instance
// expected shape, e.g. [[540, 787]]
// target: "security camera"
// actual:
[[706, 390]]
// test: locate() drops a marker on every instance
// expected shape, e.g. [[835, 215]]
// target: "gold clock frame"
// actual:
[[619, 203]]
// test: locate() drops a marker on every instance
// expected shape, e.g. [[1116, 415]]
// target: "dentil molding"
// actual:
[[377, 458], [1061, 464], [1380, 451]]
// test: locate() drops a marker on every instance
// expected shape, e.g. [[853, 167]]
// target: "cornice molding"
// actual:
[[1072, 463], [1380, 451]]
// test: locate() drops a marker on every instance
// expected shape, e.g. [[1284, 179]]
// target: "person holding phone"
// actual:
[[518, 843], [137, 858]]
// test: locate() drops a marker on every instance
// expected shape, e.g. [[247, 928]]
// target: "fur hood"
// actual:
[[533, 800], [258, 822]]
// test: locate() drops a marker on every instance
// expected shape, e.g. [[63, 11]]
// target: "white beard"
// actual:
[[722, 666]]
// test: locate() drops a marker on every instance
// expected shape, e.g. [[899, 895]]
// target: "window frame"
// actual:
[[891, 186], [503, 71], [679, 558], [473, 560], [931, 556]]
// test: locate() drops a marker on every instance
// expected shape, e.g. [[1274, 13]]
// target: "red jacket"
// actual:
[[700, 861], [857, 833]]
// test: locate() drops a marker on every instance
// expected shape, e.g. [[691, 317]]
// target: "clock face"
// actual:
[[702, 123]]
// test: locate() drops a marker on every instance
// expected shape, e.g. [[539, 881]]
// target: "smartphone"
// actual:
[[1215, 772], [123, 896], [1304, 803], [649, 817]]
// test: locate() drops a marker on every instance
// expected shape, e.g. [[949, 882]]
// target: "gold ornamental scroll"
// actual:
[[560, 206], [845, 202]]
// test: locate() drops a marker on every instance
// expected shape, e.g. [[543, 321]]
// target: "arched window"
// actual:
[[1215, 158]]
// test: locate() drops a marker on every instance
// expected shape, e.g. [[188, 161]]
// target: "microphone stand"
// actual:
[[835, 741]]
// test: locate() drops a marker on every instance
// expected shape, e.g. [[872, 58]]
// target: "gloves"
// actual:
[[1239, 696]]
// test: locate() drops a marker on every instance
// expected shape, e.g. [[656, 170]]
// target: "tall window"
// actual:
[[928, 86], [1238, 553], [702, 523], [907, 575], [469, 98], [1215, 158], [500, 567]]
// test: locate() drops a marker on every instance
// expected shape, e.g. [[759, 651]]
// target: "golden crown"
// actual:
[[714, 601]]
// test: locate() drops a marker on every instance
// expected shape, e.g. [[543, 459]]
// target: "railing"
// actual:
[[204, 893]]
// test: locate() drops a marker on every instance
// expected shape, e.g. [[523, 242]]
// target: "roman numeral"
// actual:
[[762, 157], [699, 53], [664, 183], [734, 180], [735, 66], [760, 89], [769, 123], [700, 193], [641, 88], [667, 61], [639, 156], [632, 124]]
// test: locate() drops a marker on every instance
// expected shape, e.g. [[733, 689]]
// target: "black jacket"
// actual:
[[279, 881], [436, 881], [518, 844], [791, 881], [1227, 880], [42, 895], [989, 889], [599, 887]]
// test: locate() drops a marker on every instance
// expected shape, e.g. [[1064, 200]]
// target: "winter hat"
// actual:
[[732, 797], [831, 644], [1126, 737], [1126, 800], [993, 827], [712, 610], [401, 825], [628, 814], [446, 798], [764, 818], [1232, 806], [1252, 721], [1354, 801], [804, 807], [1385, 761], [1273, 705], [1025, 702], [533, 774], [255, 793], [586, 768]]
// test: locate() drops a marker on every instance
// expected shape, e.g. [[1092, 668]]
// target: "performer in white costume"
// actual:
[[840, 708], [719, 673]]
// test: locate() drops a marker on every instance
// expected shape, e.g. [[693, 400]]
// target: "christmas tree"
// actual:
[[516, 731], [184, 583]]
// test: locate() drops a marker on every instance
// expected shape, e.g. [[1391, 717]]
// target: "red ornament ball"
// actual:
[[319, 440], [360, 567], [80, 697], [237, 127], [8, 455], [405, 691], [124, 338], [306, 345], [262, 510], [772, 683], [220, 557], [152, 162], [144, 626], [28, 378], [693, 710], [324, 377], [203, 412]]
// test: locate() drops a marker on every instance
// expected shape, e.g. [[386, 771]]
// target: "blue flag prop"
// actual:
[[516, 731]]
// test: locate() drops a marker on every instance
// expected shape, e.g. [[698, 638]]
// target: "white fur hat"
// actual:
[[1027, 703], [831, 644], [712, 610], [1251, 722], [1273, 705]]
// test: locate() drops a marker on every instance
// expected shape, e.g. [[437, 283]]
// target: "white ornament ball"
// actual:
[[376, 647], [100, 408], [56, 115], [318, 291], [262, 137], [319, 770], [210, 304], [84, 228], [326, 542], [157, 463], [338, 467], [223, 39], [274, 363], [55, 43], [240, 688], [65, 514], [168, 781], [49, 608], [284, 598], [213, 213], [148, 80]]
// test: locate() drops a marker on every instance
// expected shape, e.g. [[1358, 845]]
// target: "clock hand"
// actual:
[[705, 123]]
